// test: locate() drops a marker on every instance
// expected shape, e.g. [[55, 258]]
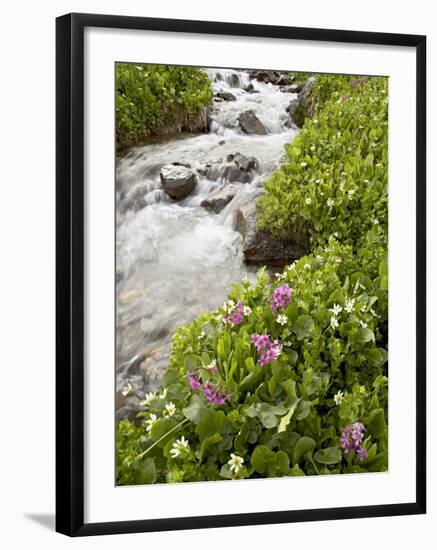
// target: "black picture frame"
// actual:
[[70, 272]]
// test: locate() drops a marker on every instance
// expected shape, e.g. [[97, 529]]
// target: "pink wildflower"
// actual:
[[268, 351], [280, 298], [214, 394], [194, 381], [236, 317]]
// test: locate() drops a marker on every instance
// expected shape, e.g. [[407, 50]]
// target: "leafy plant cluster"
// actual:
[[289, 377], [153, 99]]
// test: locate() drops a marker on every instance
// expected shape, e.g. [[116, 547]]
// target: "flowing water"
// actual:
[[176, 259]]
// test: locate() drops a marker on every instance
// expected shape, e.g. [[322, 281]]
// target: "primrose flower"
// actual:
[[151, 421], [336, 309], [235, 317], [126, 390], [282, 319], [214, 394], [235, 463], [179, 446], [352, 437], [339, 397], [280, 298], [334, 322], [330, 203], [170, 408], [267, 350], [362, 453], [349, 306], [194, 381]]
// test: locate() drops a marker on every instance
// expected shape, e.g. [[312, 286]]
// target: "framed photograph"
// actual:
[[240, 274]]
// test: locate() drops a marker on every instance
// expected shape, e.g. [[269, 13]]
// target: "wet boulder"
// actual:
[[260, 247], [277, 78], [251, 124], [219, 198], [225, 96], [250, 89], [178, 180], [301, 107], [235, 168]]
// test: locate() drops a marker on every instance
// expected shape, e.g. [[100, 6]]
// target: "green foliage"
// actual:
[[281, 418], [285, 418], [153, 99]]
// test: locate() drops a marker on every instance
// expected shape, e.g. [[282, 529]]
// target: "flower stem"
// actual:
[[175, 428]]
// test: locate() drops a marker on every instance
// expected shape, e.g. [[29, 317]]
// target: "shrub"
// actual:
[[153, 99]]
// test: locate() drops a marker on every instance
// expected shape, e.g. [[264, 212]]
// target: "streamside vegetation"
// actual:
[[289, 377], [159, 99]]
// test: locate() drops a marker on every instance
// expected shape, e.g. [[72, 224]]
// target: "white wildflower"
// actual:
[[247, 310], [127, 389], [336, 309], [334, 322], [349, 306], [235, 463], [307, 266], [151, 421], [303, 164], [363, 324], [308, 200], [317, 181], [330, 203], [339, 397], [148, 397], [181, 445], [163, 394], [313, 147], [170, 408], [282, 319]]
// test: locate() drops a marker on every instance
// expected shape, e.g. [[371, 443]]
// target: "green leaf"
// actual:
[[365, 335], [177, 392], [303, 326], [376, 423], [330, 455], [211, 422], [383, 274], [163, 426], [304, 447], [208, 442], [147, 471], [262, 458], [285, 420], [196, 410]]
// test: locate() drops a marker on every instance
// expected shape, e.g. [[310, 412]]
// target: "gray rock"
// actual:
[[235, 168], [260, 246], [278, 78], [177, 180], [219, 198], [250, 89], [251, 124], [225, 96]]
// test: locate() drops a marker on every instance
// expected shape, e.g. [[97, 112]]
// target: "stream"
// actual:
[[175, 259]]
